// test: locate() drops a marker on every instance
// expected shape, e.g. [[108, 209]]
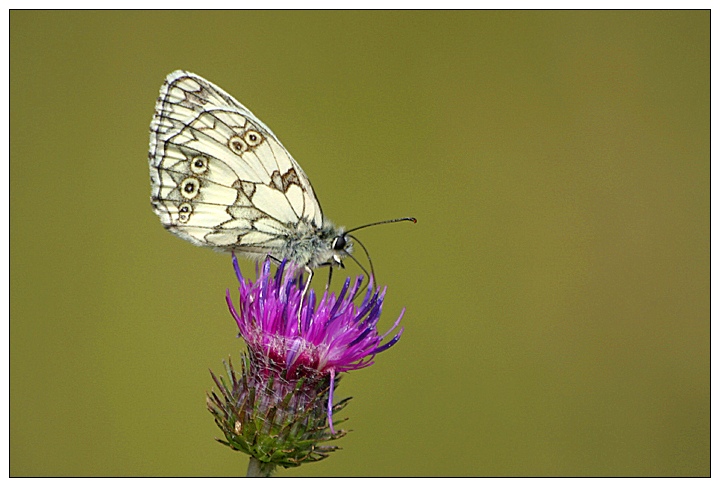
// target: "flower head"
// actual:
[[297, 346], [334, 336]]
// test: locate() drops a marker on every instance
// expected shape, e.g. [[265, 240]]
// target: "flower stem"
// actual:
[[256, 468]]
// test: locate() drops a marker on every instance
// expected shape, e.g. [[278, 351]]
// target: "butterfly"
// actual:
[[221, 178]]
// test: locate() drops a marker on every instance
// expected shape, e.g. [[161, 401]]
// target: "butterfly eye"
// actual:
[[252, 138], [339, 243], [237, 144], [189, 188], [199, 164]]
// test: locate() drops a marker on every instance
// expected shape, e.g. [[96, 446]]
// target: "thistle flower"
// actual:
[[280, 407]]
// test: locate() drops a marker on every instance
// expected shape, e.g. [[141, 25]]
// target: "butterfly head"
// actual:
[[342, 245], [341, 248]]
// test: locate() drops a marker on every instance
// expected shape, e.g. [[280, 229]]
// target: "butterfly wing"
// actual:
[[219, 176]]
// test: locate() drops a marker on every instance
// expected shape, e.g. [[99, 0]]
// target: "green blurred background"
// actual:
[[556, 284]]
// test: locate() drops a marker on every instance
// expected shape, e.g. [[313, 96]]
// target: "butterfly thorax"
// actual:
[[305, 245]]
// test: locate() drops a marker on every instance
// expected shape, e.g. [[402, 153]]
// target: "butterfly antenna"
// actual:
[[407, 218], [371, 275], [372, 269]]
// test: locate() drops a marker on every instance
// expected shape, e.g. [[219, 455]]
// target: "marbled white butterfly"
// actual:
[[220, 178]]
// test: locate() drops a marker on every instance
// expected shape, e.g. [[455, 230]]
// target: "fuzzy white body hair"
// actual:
[[304, 245]]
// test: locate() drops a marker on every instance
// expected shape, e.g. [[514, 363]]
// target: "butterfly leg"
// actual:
[[327, 286], [302, 296], [274, 259]]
